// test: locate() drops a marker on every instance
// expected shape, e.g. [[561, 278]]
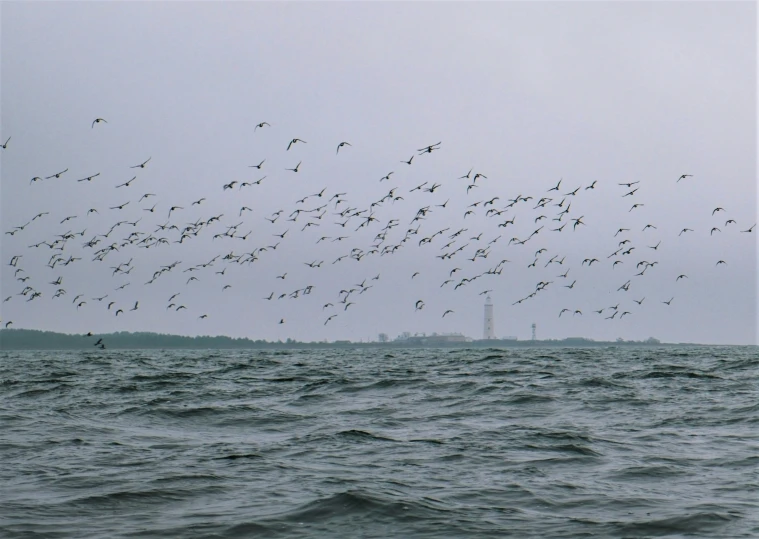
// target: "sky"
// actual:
[[594, 95]]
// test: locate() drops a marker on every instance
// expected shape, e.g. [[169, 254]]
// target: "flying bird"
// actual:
[[126, 184], [341, 145], [142, 165], [56, 175], [295, 140], [430, 148]]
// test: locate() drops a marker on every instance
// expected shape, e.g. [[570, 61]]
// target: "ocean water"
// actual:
[[603, 442]]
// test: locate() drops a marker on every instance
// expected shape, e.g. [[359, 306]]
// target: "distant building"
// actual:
[[489, 331], [403, 336], [438, 339], [433, 339]]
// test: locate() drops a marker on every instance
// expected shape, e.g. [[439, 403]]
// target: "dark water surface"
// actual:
[[606, 442]]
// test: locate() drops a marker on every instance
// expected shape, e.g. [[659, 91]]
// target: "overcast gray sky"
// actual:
[[526, 94]]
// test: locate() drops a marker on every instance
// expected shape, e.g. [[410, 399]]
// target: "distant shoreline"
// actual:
[[25, 339]]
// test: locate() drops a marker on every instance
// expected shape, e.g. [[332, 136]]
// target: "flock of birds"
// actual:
[[142, 224]]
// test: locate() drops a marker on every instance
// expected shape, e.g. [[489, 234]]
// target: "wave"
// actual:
[[355, 503], [362, 435], [648, 473], [386, 383], [679, 374], [603, 383], [141, 497], [688, 525], [529, 398], [38, 392], [574, 448], [427, 441], [236, 456], [245, 530]]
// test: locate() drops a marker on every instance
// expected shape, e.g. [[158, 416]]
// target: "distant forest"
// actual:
[[30, 339]]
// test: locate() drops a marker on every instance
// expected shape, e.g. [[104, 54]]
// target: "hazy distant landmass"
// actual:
[[28, 339]]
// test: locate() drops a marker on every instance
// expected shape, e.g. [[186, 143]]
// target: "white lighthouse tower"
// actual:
[[489, 332]]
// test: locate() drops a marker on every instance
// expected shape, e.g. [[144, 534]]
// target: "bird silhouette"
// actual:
[[342, 144], [294, 141], [56, 175]]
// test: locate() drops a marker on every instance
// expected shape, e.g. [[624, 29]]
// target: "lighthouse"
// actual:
[[488, 331]]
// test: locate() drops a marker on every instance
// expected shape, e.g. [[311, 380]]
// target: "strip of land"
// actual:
[[29, 339]]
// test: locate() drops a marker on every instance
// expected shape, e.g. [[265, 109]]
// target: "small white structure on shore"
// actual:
[[489, 331]]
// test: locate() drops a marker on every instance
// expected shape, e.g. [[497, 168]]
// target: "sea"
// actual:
[[619, 442]]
